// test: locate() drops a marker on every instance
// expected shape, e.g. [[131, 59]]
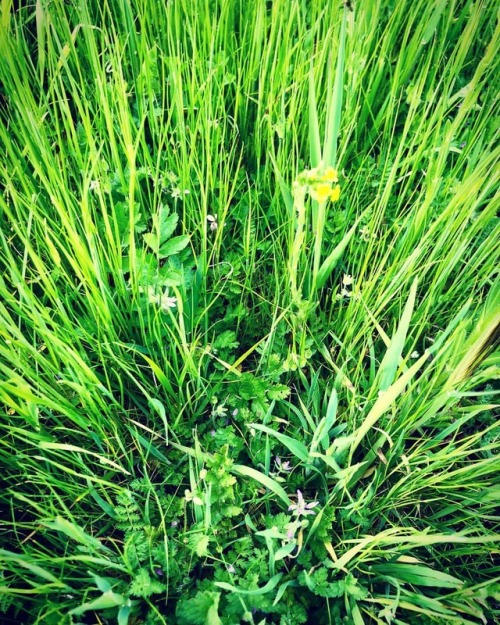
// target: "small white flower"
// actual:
[[189, 496], [171, 177], [213, 222], [365, 234], [167, 302], [283, 466], [414, 354], [347, 280], [203, 474], [301, 508], [94, 185], [178, 193], [160, 299], [219, 411], [231, 569]]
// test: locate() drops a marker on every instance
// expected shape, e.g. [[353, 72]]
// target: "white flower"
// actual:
[[301, 508], [347, 280], [94, 185], [177, 193], [167, 302], [163, 300], [283, 466], [189, 496], [219, 411], [213, 222]]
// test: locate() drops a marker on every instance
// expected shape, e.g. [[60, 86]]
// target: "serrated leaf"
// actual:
[[173, 246], [278, 392], [167, 226], [226, 340], [251, 388], [202, 609], [152, 240], [199, 544]]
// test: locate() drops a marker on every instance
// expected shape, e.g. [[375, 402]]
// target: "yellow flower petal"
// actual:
[[320, 192], [335, 194], [330, 175]]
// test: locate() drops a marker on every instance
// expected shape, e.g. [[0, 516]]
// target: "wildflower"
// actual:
[[189, 496], [163, 300], [283, 466], [177, 193], [414, 354], [347, 280], [318, 182], [213, 222], [301, 508], [330, 175], [323, 191], [231, 569], [171, 177], [94, 185], [219, 411], [365, 234]]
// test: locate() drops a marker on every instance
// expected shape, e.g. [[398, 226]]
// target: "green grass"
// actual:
[[188, 338]]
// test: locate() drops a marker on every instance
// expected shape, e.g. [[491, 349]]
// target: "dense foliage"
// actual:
[[249, 309]]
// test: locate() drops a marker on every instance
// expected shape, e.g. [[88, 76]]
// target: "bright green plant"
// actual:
[[247, 367]]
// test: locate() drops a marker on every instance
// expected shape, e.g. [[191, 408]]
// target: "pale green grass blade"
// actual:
[[392, 358], [334, 108]]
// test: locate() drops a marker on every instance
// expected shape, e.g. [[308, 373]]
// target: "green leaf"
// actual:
[[333, 258], [391, 360], [298, 449], [143, 586], [173, 246], [167, 226], [124, 614], [152, 240], [314, 140], [107, 600], [335, 101], [226, 340], [278, 392], [73, 531], [271, 585], [418, 575], [199, 544], [250, 387], [202, 609], [266, 481]]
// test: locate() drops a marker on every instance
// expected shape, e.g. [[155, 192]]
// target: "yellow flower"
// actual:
[[335, 193], [320, 191], [330, 175], [323, 191]]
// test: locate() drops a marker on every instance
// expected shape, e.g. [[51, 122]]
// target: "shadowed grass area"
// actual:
[[230, 392]]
